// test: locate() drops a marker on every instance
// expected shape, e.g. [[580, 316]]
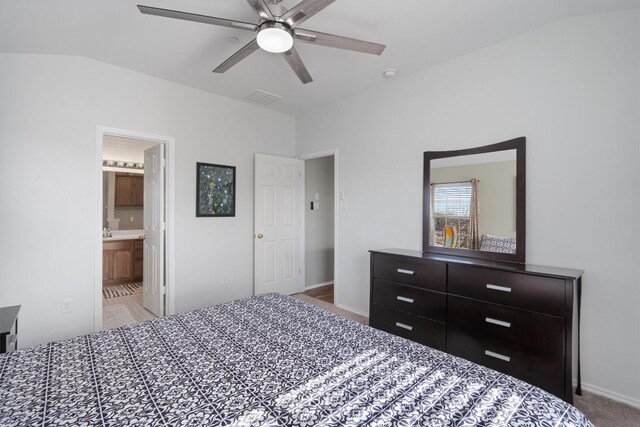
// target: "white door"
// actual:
[[277, 218], [154, 230]]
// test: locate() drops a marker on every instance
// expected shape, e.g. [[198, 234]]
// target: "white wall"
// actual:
[[318, 178], [49, 109], [572, 88]]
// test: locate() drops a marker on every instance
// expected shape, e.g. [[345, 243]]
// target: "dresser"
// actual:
[[9, 328], [514, 318]]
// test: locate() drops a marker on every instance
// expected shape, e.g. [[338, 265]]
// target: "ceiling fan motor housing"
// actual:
[[276, 37]]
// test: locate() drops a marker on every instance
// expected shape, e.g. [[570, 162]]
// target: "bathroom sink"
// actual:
[[125, 235]]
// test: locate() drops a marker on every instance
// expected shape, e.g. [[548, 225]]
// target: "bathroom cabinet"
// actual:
[[129, 190], [122, 261]]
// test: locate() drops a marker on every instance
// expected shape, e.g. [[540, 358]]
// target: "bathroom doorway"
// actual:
[[133, 245]]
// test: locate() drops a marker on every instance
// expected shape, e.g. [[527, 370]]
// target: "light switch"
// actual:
[[317, 197]]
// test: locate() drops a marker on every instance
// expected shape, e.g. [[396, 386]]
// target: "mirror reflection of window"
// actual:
[[455, 214], [460, 214]]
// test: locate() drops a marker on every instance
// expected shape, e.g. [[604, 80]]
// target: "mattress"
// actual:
[[269, 360]]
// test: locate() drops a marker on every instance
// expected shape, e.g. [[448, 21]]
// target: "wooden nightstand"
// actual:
[[9, 328]]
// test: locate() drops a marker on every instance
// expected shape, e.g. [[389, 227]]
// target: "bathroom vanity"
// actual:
[[122, 259]]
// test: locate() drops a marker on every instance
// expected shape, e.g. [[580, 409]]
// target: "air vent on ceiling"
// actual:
[[262, 97]]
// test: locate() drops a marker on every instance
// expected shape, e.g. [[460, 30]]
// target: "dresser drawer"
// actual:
[[528, 292], [423, 274], [429, 304], [542, 370], [519, 329], [409, 326]]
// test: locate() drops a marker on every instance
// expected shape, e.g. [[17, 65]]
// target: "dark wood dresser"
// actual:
[[9, 328], [514, 318]]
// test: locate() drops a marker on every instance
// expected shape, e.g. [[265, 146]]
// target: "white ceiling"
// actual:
[[125, 149], [418, 34]]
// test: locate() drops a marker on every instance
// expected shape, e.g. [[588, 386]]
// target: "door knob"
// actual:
[[260, 235]]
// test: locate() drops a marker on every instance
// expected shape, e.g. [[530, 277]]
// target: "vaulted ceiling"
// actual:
[[418, 34]]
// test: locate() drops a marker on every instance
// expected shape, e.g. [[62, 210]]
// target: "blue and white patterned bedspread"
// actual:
[[267, 360]]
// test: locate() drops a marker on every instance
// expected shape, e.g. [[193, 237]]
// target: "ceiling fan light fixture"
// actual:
[[274, 37]]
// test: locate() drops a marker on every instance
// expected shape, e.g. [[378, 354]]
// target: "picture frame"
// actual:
[[215, 190]]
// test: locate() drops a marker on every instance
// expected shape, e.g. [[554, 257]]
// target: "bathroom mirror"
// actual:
[[474, 201]]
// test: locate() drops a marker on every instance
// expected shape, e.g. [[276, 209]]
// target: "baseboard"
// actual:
[[351, 309], [609, 394], [317, 285]]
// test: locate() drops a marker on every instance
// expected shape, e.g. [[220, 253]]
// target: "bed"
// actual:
[[267, 360]]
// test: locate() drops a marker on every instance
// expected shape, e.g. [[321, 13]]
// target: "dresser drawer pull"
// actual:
[[405, 299], [403, 326], [497, 356], [498, 288], [498, 322], [403, 271]]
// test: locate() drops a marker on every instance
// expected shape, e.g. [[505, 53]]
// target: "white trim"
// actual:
[[318, 285], [609, 394], [300, 229], [169, 206], [351, 309], [336, 208]]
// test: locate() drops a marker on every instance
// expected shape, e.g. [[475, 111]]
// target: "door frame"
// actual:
[[169, 205], [336, 208]]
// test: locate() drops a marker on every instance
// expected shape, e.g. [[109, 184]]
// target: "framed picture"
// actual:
[[215, 190]]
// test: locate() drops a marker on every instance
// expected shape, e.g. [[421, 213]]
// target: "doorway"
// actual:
[[134, 247], [321, 232], [280, 205]]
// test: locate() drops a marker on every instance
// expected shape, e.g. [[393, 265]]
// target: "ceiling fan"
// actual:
[[276, 31]]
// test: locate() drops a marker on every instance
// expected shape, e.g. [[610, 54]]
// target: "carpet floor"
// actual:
[[115, 291], [605, 412]]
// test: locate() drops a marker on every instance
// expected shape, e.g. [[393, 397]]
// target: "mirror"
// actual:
[[474, 202], [123, 200]]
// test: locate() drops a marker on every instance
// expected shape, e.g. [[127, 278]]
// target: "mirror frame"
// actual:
[[519, 145]]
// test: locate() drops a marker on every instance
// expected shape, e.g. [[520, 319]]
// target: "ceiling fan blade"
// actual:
[[175, 14], [340, 42], [247, 50], [304, 10], [296, 64], [262, 9]]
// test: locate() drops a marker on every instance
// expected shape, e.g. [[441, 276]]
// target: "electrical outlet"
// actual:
[[65, 306], [130, 219], [225, 279]]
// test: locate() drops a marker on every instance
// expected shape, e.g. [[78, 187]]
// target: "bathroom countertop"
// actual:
[[124, 235]]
